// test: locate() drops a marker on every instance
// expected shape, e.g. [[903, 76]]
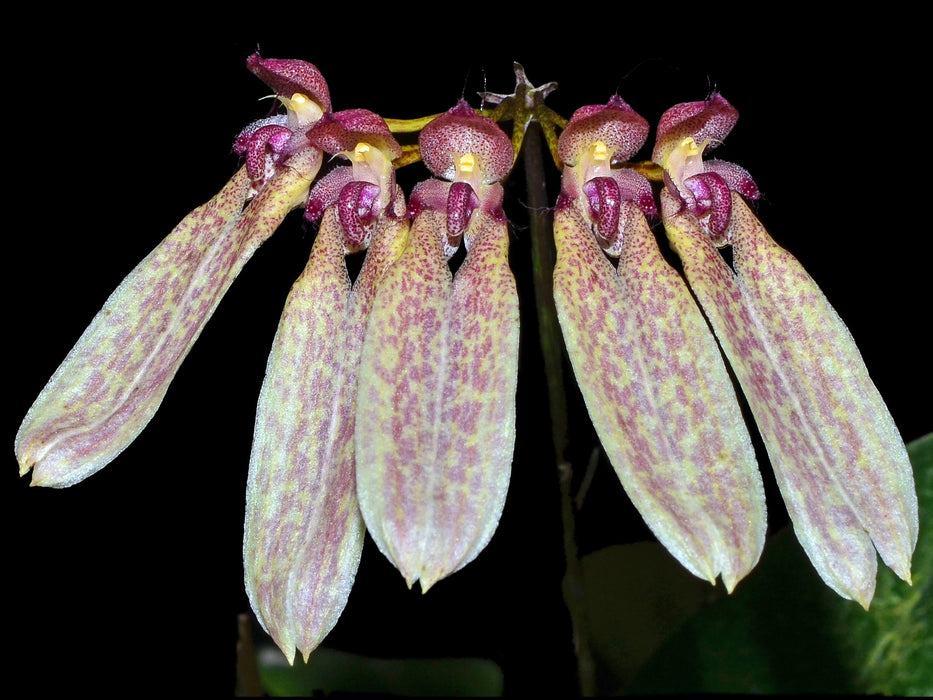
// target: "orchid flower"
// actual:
[[837, 455], [389, 399], [114, 379], [304, 532], [647, 365], [438, 373]]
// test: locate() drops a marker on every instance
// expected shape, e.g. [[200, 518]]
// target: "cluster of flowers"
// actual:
[[427, 360]]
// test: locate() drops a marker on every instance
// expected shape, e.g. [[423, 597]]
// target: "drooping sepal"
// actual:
[[836, 453], [436, 407], [660, 398], [114, 379], [304, 531]]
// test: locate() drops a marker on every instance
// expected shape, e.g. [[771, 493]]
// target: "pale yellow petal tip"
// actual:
[[40, 478], [26, 460], [863, 598], [289, 652]]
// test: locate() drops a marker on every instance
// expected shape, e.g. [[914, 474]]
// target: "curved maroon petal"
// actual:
[[712, 198], [461, 201], [604, 198], [461, 130], [287, 76], [428, 194], [337, 132], [273, 137], [705, 121], [326, 191], [737, 177], [635, 187], [616, 124], [355, 210]]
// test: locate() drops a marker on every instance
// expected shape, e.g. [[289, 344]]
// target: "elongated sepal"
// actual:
[[660, 398], [114, 379], [836, 453], [436, 404], [304, 531]]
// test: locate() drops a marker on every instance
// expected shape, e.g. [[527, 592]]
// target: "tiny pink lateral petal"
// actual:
[[113, 380], [436, 403], [825, 523], [304, 532], [862, 447], [660, 398]]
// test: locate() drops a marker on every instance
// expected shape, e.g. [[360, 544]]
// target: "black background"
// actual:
[[132, 580]]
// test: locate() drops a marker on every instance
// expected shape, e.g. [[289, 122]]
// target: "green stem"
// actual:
[[543, 257]]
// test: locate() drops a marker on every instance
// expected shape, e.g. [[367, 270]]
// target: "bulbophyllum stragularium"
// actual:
[[389, 400]]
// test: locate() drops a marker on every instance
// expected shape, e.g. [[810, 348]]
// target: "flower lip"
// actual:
[[616, 124], [461, 131], [288, 76], [338, 132]]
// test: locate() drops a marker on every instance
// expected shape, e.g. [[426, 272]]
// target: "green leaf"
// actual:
[[329, 671], [783, 631], [636, 595]]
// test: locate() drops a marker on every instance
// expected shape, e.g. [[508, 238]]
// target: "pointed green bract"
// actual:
[[837, 456], [114, 379], [660, 399], [436, 403]]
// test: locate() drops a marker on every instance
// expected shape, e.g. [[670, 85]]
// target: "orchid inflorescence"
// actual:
[[427, 359]]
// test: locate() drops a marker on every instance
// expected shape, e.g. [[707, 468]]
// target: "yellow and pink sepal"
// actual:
[[646, 363], [438, 373], [837, 456]]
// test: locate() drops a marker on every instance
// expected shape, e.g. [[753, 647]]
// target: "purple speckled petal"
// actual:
[[113, 380], [304, 531], [707, 122], [836, 453], [461, 201], [616, 124], [355, 205], [436, 403], [604, 199], [660, 398]]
